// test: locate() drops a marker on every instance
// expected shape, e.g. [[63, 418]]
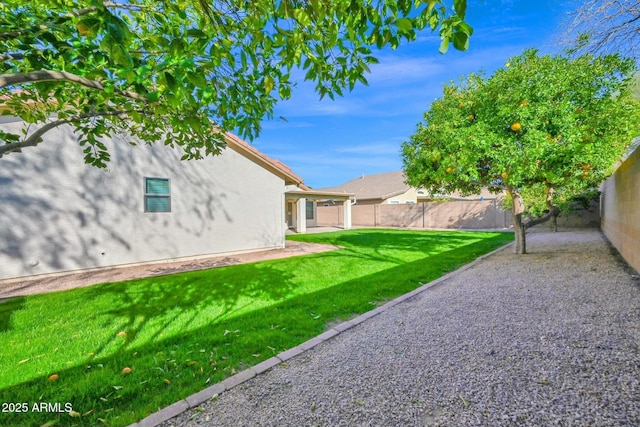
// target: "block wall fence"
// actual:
[[473, 214], [620, 209]]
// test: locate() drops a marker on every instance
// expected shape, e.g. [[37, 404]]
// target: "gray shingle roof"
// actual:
[[371, 187]]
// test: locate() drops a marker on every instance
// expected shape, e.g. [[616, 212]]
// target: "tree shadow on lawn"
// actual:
[[7, 308], [167, 369], [181, 298]]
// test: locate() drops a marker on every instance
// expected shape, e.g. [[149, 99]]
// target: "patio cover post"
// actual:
[[347, 214], [301, 220]]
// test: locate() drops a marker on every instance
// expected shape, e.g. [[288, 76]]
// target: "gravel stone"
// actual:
[[550, 338]]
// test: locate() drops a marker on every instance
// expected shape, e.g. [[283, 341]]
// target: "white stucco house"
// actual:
[[59, 214]]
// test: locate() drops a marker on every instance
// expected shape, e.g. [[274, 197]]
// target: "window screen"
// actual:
[[157, 195], [309, 209]]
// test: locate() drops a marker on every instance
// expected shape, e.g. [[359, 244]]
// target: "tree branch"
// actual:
[[552, 212], [544, 218], [36, 137], [610, 25], [11, 56], [48, 75]]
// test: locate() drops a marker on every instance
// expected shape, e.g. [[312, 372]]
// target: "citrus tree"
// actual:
[[542, 129], [186, 71]]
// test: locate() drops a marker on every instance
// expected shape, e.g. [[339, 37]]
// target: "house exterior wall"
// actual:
[[313, 221], [620, 209], [59, 214], [292, 213], [409, 196]]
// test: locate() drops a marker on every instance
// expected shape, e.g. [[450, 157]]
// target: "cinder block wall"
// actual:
[[330, 216], [620, 209], [456, 215]]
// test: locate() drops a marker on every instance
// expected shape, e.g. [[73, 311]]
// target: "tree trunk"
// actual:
[[518, 225], [521, 234]]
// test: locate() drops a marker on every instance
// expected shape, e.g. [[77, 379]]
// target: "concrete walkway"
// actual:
[[549, 338], [59, 282]]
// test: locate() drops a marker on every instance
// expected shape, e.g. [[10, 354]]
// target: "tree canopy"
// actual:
[[542, 129], [185, 71]]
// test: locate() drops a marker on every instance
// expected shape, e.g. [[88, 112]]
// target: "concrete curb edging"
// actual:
[[213, 391]]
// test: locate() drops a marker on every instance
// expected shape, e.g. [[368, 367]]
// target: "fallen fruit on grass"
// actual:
[[127, 370], [122, 334], [516, 127], [53, 377]]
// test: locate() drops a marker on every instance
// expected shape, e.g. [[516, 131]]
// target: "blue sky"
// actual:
[[330, 142]]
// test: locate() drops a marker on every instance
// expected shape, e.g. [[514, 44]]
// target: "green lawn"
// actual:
[[185, 332]]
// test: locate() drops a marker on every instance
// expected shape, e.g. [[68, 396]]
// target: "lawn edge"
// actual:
[[210, 393]]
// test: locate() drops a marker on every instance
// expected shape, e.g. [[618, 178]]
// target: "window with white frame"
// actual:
[[309, 209], [157, 195]]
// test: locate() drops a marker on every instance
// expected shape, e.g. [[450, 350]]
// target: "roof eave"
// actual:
[[272, 165]]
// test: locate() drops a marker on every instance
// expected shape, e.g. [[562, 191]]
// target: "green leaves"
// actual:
[[144, 67], [268, 84], [460, 7], [543, 125], [88, 26], [404, 25], [444, 45]]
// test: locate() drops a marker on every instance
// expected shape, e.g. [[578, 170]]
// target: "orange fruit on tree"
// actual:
[[504, 175], [448, 170], [516, 127]]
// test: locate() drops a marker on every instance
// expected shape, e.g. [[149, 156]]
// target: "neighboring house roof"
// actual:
[[379, 186], [273, 165]]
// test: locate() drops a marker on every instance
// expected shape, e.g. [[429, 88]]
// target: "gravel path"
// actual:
[[550, 338]]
